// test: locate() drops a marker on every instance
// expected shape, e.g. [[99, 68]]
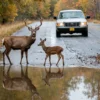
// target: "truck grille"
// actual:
[[71, 24]]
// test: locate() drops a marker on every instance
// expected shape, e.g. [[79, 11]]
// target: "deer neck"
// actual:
[[33, 36], [31, 39], [44, 47]]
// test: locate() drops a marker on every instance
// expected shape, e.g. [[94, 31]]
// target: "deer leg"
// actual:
[[59, 57], [50, 60], [7, 54], [26, 53], [22, 73], [4, 57], [8, 71], [21, 56], [45, 59], [62, 59]]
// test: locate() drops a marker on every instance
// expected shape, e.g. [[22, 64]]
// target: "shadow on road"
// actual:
[[71, 35]]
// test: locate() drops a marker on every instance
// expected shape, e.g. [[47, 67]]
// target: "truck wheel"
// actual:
[[57, 34], [85, 33]]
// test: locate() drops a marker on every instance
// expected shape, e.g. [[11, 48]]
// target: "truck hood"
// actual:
[[72, 20]]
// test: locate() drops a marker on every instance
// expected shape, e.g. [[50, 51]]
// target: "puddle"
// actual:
[[30, 83]]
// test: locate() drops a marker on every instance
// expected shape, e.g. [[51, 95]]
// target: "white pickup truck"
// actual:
[[71, 21]]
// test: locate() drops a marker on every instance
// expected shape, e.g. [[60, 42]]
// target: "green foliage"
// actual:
[[21, 9], [34, 9], [98, 16], [57, 8], [90, 7], [8, 11], [11, 12], [45, 11]]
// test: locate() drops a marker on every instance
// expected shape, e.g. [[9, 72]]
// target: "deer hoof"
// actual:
[[3, 63], [27, 62], [44, 64], [63, 64], [50, 64]]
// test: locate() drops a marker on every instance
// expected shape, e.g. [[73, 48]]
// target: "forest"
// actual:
[[11, 10]]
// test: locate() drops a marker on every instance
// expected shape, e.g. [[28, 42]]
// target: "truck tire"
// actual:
[[85, 33], [57, 34]]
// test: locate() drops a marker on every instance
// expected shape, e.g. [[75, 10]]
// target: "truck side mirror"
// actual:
[[87, 17], [55, 17]]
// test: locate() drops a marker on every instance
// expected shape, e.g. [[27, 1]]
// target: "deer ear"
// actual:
[[29, 28], [45, 39]]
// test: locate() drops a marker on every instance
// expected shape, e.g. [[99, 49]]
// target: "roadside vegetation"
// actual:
[[96, 21], [12, 10]]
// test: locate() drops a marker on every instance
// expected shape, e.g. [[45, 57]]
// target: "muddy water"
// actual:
[[28, 83]]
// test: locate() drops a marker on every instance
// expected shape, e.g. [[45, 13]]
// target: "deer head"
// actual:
[[36, 95], [46, 81], [41, 42], [33, 30]]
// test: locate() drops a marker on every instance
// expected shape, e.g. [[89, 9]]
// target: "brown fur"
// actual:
[[22, 43], [51, 51]]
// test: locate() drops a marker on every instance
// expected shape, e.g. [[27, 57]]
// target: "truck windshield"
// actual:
[[71, 14]]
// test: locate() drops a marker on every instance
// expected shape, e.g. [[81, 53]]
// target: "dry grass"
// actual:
[[8, 29], [94, 21]]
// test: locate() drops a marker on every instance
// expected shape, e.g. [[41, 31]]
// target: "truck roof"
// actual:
[[70, 10]]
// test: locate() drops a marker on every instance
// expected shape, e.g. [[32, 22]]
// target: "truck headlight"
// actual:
[[83, 24], [60, 24]]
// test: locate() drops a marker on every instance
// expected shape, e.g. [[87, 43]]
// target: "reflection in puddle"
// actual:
[[21, 83], [80, 91], [62, 83], [51, 75]]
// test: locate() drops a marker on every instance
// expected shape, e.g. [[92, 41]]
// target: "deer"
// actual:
[[98, 58], [51, 51], [20, 83], [22, 43], [52, 75]]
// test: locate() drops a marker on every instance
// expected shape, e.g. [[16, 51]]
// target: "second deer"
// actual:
[[51, 51]]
